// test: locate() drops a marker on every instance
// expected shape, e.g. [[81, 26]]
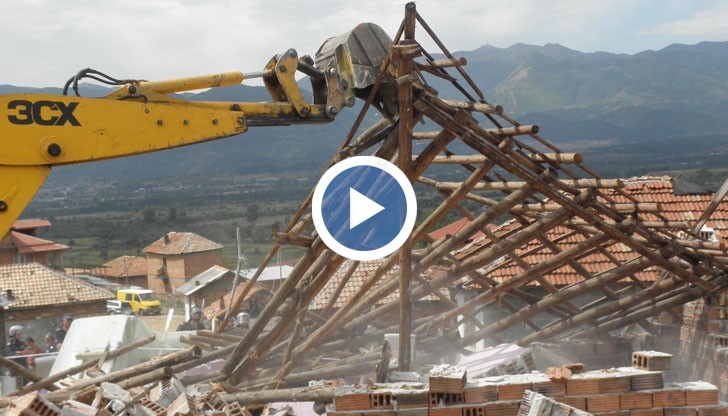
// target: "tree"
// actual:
[[172, 215], [252, 213], [149, 215]]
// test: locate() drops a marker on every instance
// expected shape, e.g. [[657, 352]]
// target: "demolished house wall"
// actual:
[[699, 341]]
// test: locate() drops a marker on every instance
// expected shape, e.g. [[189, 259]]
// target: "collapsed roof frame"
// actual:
[[541, 190]]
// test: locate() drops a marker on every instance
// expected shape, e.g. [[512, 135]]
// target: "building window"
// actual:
[[20, 258]]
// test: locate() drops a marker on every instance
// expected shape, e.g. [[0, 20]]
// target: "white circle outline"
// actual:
[[409, 220]]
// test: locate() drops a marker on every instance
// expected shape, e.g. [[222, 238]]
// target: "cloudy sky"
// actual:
[[44, 42]]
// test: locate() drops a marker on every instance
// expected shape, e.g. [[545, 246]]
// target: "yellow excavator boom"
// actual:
[[40, 131]]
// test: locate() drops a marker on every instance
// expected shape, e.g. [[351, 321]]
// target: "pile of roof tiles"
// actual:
[[166, 398]]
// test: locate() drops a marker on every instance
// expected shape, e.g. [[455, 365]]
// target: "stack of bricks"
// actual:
[[447, 388], [613, 392], [651, 360], [702, 350], [535, 404]]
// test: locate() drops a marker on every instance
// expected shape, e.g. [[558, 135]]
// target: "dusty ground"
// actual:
[[157, 322]]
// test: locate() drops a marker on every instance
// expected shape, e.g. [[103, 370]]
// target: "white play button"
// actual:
[[361, 208]]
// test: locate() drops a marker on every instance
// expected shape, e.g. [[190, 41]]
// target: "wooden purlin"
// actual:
[[238, 364], [167, 360], [671, 299], [323, 267], [567, 293]]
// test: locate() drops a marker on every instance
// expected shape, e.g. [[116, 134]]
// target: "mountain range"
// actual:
[[574, 96], [578, 99]]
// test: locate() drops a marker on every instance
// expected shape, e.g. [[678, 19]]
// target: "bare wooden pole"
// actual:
[[621, 208], [645, 312], [342, 284], [714, 202], [304, 394], [566, 293], [479, 107], [502, 132], [146, 378], [512, 186], [564, 158], [165, 360], [328, 263], [445, 277], [593, 313], [449, 55], [19, 369], [46, 383], [405, 306], [405, 54], [283, 293]]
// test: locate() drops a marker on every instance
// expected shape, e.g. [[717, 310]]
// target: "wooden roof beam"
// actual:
[[502, 132], [512, 186], [567, 293], [562, 158]]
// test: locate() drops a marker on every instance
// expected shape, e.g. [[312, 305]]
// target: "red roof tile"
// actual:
[[180, 243], [361, 274], [453, 228], [645, 190], [28, 244], [36, 285], [125, 266], [30, 224]]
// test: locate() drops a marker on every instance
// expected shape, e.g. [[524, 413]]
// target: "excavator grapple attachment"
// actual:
[[358, 56], [367, 45]]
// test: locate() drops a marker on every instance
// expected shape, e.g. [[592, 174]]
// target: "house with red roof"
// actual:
[[22, 245], [178, 257], [126, 271]]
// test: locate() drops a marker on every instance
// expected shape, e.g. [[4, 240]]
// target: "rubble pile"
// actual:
[[625, 391], [165, 398]]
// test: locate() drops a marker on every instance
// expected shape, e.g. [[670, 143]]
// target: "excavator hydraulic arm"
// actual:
[[38, 131]]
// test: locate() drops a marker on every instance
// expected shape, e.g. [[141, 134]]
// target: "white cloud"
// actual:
[[47, 41], [711, 24]]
